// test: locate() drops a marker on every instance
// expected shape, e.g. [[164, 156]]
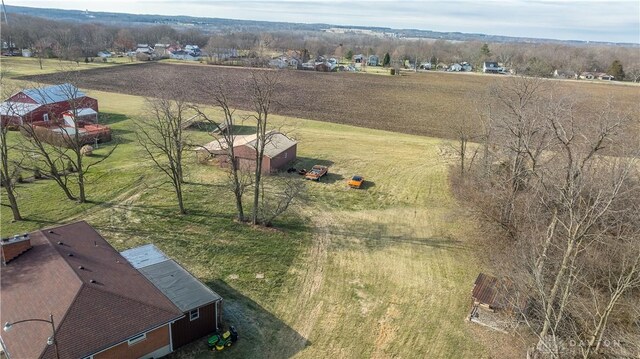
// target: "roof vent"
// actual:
[[70, 254], [92, 281], [80, 267], [50, 231], [60, 243]]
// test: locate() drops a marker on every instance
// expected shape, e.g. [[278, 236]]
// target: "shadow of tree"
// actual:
[[375, 235]]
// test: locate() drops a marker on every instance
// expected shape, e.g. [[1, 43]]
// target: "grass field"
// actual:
[[433, 104], [381, 272], [21, 66]]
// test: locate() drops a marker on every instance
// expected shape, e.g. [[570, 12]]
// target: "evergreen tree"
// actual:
[[484, 50], [386, 61], [616, 70], [349, 55]]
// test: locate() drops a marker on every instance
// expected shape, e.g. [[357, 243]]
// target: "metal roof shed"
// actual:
[[201, 305]]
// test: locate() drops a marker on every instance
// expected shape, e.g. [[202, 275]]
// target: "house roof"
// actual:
[[96, 297], [54, 93], [180, 286], [484, 289], [9, 108]]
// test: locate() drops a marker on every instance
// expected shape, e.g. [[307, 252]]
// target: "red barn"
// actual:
[[279, 151], [45, 104]]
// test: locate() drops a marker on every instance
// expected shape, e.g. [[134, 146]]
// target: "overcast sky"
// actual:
[[616, 21]]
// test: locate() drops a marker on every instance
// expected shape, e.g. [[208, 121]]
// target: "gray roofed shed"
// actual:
[[175, 282]]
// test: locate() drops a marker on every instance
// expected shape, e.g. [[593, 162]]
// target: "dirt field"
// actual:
[[429, 104]]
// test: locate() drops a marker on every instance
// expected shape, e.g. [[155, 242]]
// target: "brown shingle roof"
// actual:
[[485, 290], [89, 316]]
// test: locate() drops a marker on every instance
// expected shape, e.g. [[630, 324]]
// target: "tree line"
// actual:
[[76, 41], [557, 193]]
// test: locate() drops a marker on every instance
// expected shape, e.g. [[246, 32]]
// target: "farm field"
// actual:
[[433, 104], [380, 272]]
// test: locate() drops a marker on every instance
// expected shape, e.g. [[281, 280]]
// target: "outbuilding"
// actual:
[[201, 306], [279, 151], [45, 104]]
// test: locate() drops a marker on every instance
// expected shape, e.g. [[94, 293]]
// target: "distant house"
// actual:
[[456, 67], [161, 50], [358, 59], [442, 66], [44, 104], [279, 152], [184, 55], [278, 63], [565, 74], [104, 54], [466, 67], [374, 60], [144, 48], [489, 67], [102, 306], [425, 66], [26, 53], [606, 77], [293, 63], [308, 66], [201, 307]]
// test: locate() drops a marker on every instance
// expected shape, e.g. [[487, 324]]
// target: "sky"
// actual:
[[611, 21]]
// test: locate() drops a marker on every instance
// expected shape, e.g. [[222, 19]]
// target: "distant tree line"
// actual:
[[75, 41]]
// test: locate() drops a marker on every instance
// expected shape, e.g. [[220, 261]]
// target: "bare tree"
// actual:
[[277, 195], [225, 134], [7, 167], [263, 87], [64, 159], [571, 193], [161, 136]]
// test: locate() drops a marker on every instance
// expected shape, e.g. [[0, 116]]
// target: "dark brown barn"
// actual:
[[201, 306], [45, 104], [279, 151]]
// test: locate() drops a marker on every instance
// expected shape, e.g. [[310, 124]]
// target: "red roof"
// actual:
[[97, 298]]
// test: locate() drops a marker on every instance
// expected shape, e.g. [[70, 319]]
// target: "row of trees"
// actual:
[[558, 193]]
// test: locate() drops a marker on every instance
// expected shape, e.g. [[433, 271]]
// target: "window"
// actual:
[[45, 117], [138, 338], [194, 314]]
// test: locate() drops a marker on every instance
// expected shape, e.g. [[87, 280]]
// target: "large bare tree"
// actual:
[[64, 160], [7, 165], [162, 137], [225, 132], [263, 86]]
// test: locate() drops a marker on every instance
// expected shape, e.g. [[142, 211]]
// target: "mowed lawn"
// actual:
[[381, 272]]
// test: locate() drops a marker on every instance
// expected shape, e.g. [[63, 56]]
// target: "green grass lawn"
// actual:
[[21, 66], [380, 272]]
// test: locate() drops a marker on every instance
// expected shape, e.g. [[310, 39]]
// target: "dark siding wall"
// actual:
[[185, 331], [280, 161]]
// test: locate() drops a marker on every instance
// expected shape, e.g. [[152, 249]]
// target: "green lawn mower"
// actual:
[[220, 341]]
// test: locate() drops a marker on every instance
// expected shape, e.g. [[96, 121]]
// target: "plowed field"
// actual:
[[432, 104]]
